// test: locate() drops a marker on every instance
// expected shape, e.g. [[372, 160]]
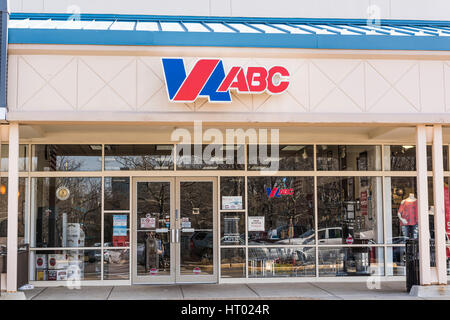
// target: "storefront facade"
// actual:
[[120, 183]]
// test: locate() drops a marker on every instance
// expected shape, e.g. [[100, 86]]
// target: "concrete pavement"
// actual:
[[302, 291]]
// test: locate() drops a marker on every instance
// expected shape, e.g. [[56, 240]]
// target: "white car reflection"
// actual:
[[325, 236]]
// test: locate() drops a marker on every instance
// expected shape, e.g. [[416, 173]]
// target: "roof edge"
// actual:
[[126, 17]]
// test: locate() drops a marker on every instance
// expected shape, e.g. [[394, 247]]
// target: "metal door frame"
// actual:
[[174, 234]]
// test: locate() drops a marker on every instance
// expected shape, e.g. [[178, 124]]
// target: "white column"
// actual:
[[439, 206], [13, 207], [422, 199]]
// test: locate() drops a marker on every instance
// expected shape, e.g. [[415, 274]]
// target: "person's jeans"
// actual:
[[410, 232]]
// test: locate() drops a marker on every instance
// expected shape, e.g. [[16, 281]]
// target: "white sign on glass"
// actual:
[[148, 222], [232, 203], [256, 223]]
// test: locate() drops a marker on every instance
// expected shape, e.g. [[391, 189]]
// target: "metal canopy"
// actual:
[[229, 32]]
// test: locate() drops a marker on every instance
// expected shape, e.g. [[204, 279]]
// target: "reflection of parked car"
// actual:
[[325, 236], [330, 236], [281, 232], [279, 255], [305, 238], [201, 243]]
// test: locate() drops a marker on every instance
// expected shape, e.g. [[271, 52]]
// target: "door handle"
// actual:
[[177, 214], [177, 235], [172, 235]]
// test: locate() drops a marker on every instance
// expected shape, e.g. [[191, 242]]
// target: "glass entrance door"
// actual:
[[153, 231], [174, 239], [196, 213]]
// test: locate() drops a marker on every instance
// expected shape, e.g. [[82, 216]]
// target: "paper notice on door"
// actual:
[[148, 223], [256, 223], [232, 203]]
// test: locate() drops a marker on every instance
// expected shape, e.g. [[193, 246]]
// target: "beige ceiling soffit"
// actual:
[[4, 133], [386, 133], [33, 131]]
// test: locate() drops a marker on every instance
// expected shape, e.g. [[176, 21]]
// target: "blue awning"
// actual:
[[91, 29]]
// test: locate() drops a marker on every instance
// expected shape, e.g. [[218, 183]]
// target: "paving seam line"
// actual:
[[32, 298], [329, 292], [109, 294], [251, 289], [181, 289]]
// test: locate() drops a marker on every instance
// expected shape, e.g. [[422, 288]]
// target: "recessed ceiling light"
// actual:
[[292, 148], [96, 147], [164, 147]]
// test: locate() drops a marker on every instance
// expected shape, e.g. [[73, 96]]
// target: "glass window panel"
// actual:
[[400, 190], [448, 259], [66, 265], [280, 157], [232, 228], [117, 229], [430, 157], [210, 157], [350, 207], [116, 264], [400, 158], [117, 193], [139, 157], [351, 261], [281, 262], [66, 212], [396, 259], [278, 218], [66, 157], [232, 191], [22, 216], [348, 158], [447, 210], [232, 263], [23, 157]]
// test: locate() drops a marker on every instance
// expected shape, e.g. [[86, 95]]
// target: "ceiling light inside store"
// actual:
[[164, 148], [304, 155], [292, 148], [407, 147], [96, 147]]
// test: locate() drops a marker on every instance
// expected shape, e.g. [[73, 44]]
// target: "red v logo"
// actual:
[[195, 81]]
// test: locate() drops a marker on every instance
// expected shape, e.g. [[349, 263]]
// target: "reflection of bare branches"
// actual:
[[279, 211], [83, 205], [65, 163], [148, 162]]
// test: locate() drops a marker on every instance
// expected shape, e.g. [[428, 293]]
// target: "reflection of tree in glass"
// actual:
[[147, 162], [403, 159], [331, 194], [67, 163], [197, 195], [153, 198], [83, 205], [286, 212]]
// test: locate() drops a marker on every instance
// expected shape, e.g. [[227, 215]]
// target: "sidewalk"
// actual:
[[298, 291]]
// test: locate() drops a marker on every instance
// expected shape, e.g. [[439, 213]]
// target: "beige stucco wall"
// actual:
[[95, 83]]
